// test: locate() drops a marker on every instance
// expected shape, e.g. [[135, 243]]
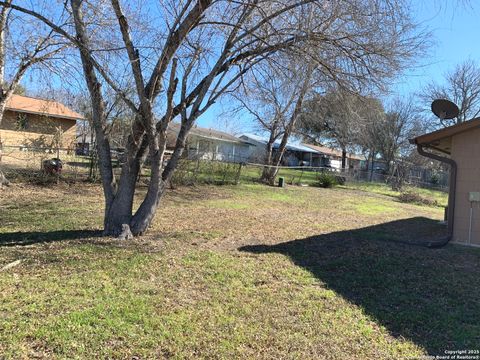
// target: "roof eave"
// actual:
[[45, 114], [234, 141], [445, 133]]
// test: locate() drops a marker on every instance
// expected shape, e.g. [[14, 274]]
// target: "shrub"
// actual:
[[326, 180], [416, 198], [182, 175], [435, 179], [191, 172]]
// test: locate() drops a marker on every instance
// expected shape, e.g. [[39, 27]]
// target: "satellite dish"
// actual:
[[444, 109]]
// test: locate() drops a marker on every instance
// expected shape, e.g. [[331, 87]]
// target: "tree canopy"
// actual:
[[181, 57]]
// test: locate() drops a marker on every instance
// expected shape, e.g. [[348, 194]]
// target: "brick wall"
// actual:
[[38, 132]]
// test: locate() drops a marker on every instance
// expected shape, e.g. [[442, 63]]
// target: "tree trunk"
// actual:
[[269, 174], [116, 203], [388, 161], [289, 128], [146, 212], [3, 180], [159, 180], [269, 171], [121, 206], [119, 211], [157, 140], [344, 158], [372, 169]]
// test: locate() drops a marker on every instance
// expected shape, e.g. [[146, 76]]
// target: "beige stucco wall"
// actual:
[[39, 131], [466, 153]]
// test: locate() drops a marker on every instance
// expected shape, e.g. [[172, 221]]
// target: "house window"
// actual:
[[22, 122]]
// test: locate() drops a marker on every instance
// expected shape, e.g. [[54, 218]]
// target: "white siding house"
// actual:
[[334, 157], [208, 144], [295, 154]]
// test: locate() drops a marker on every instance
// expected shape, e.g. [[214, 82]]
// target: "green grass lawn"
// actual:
[[222, 173], [244, 271], [292, 176]]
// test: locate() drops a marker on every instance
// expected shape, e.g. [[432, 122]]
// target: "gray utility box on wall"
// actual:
[[474, 196]]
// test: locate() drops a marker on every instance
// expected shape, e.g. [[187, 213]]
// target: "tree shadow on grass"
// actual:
[[430, 296], [30, 238]]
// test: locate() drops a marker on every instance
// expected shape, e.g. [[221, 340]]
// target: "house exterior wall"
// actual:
[[291, 158], [212, 149], [336, 162], [38, 132], [256, 152], [466, 152]]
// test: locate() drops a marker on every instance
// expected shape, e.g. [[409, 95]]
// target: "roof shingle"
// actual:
[[207, 133], [333, 152], [42, 107]]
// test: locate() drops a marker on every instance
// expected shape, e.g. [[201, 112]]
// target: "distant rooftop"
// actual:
[[290, 146], [41, 107], [333, 152], [207, 133]]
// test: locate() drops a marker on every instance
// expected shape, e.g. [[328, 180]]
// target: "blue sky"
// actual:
[[455, 27]]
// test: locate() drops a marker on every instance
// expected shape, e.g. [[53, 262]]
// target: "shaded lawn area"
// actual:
[[426, 296], [233, 272]]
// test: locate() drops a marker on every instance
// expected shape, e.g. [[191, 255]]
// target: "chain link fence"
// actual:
[[28, 163], [216, 172], [31, 164]]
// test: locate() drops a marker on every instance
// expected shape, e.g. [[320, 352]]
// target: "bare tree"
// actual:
[[462, 86], [368, 139], [24, 44], [354, 121], [338, 117], [201, 48], [273, 94], [393, 131]]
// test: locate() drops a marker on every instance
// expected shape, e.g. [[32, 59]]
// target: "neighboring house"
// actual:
[[208, 144], [34, 123], [458, 146], [117, 132], [84, 140], [295, 155], [335, 157]]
